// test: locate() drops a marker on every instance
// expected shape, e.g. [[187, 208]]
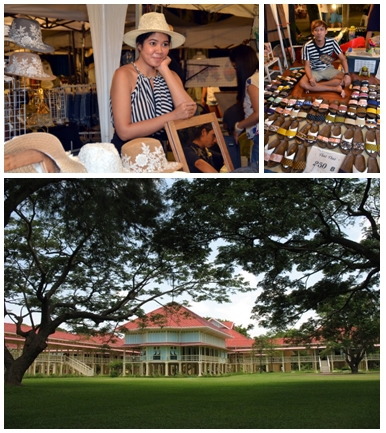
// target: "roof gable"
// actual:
[[171, 316]]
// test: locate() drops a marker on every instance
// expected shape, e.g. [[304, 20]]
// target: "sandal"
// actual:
[[276, 125], [358, 145], [359, 164], [277, 154], [292, 130], [372, 165], [371, 146], [269, 148], [288, 158], [315, 117], [360, 121], [307, 104], [346, 143], [323, 108], [347, 164], [269, 121], [340, 118], [336, 135], [334, 106], [303, 133], [283, 129], [323, 137], [312, 134], [300, 160]]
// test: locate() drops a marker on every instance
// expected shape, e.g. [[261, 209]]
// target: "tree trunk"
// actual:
[[16, 368], [353, 360]]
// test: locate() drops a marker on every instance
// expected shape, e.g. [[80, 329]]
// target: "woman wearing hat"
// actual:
[[146, 93]]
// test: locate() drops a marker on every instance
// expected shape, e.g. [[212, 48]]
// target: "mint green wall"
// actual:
[[179, 337]]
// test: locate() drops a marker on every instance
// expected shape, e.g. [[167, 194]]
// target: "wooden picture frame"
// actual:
[[173, 131]]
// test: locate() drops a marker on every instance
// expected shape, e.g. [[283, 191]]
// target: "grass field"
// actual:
[[249, 401]]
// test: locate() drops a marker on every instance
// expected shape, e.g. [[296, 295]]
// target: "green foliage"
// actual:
[[90, 253], [116, 368], [299, 236]]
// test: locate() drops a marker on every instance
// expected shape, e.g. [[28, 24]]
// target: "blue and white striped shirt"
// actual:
[[313, 53]]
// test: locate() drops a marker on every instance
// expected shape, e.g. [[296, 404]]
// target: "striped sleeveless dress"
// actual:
[[147, 103]]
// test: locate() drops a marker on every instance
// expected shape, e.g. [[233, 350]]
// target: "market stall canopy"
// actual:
[[223, 34], [246, 11]]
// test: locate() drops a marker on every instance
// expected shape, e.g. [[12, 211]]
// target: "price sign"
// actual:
[[323, 161]]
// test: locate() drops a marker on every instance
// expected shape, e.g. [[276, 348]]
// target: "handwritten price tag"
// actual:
[[323, 161]]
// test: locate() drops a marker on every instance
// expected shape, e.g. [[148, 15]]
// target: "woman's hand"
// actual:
[[312, 81], [186, 110], [164, 65]]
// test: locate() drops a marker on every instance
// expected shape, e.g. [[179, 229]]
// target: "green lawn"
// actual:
[[249, 401]]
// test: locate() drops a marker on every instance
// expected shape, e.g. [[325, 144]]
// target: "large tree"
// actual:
[[349, 324], [88, 254], [308, 240]]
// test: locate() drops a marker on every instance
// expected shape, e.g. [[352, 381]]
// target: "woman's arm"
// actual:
[[179, 94], [122, 86], [253, 119]]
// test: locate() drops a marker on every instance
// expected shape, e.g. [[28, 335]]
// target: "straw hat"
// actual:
[[153, 22], [146, 155], [27, 34], [27, 65], [101, 158], [47, 144]]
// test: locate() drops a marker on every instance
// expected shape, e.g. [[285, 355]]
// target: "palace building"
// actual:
[[173, 340]]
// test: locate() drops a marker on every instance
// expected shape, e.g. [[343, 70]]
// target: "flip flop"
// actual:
[[288, 158], [323, 137], [346, 143], [300, 160], [336, 135], [358, 145]]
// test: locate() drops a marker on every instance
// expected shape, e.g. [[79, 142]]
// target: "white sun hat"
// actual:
[[27, 65], [101, 158], [153, 22], [27, 34]]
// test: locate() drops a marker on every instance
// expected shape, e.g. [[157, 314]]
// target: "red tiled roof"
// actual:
[[10, 328], [172, 316]]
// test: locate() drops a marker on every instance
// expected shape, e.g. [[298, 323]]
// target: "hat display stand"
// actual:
[[24, 109]]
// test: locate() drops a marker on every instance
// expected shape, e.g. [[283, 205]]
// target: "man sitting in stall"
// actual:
[[321, 76]]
